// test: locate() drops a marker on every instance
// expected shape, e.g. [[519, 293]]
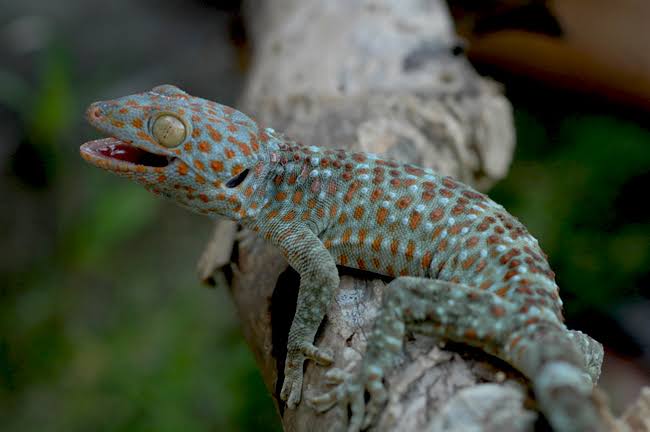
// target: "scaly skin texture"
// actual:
[[464, 268]]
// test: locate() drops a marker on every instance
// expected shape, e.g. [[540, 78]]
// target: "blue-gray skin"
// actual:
[[465, 269]]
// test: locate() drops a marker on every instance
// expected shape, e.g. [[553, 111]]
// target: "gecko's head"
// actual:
[[197, 152]]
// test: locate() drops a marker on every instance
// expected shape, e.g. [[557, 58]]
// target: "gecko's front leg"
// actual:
[[318, 280]]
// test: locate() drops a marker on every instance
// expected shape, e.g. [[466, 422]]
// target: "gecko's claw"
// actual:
[[292, 387], [291, 391], [350, 390]]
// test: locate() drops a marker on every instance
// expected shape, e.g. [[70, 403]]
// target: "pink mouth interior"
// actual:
[[111, 148]]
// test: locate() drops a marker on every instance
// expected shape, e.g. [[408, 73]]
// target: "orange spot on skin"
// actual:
[[280, 196], [486, 284], [501, 292], [509, 274], [229, 153], [123, 111], [289, 216], [471, 242], [243, 147], [428, 195], [297, 197], [414, 220], [375, 195], [443, 245], [346, 235], [382, 213], [305, 215], [362, 235], [144, 136], [450, 183], [436, 215], [351, 191], [358, 212], [343, 259], [376, 244], [199, 179], [390, 271], [446, 193], [292, 179], [248, 192], [455, 229], [187, 147], [469, 262], [470, 334], [204, 197], [232, 127], [393, 246], [497, 311], [199, 165], [137, 123], [509, 255], [236, 169], [272, 214], [182, 169], [216, 165], [481, 265], [214, 134], [410, 249], [436, 232], [311, 203], [458, 210], [333, 210], [361, 264], [204, 146], [426, 260], [403, 202], [342, 218], [161, 178], [254, 144], [320, 212], [132, 103]]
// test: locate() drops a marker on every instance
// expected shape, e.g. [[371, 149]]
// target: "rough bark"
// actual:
[[386, 77]]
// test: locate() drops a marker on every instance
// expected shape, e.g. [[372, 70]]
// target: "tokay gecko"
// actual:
[[464, 269]]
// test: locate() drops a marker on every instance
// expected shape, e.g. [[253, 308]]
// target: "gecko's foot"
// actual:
[[350, 390], [292, 387]]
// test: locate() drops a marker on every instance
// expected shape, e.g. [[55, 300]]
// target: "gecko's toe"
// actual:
[[320, 356]]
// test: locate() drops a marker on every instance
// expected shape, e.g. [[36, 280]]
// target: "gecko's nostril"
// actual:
[[94, 112]]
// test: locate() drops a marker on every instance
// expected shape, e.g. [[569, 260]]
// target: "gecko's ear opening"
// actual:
[[169, 90]]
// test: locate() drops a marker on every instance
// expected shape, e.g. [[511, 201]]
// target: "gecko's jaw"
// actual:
[[114, 154]]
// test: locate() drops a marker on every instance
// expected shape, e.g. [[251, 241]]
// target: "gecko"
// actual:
[[463, 268]]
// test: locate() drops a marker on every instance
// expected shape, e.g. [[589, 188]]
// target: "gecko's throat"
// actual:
[[120, 154]]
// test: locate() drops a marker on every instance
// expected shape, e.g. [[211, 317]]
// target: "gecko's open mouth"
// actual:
[[120, 154]]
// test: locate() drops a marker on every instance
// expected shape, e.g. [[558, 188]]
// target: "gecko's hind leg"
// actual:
[[429, 306]]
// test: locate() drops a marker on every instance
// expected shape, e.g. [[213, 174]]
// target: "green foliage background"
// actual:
[[103, 324]]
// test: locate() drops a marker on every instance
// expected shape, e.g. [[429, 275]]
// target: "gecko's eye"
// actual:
[[169, 130]]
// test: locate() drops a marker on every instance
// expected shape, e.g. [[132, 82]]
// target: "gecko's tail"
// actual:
[[563, 367]]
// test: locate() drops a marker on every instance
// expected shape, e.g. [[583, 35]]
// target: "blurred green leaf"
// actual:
[[116, 215]]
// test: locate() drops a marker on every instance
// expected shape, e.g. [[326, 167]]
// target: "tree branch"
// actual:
[[384, 77]]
